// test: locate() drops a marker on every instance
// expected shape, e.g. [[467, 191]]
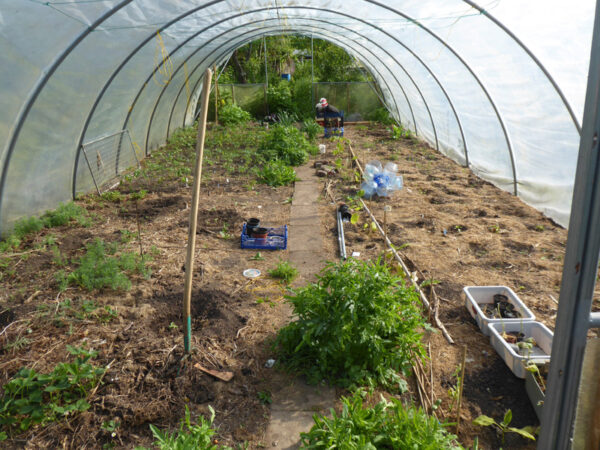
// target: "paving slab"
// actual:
[[295, 402]]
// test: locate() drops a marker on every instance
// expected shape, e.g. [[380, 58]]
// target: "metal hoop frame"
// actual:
[[47, 74]]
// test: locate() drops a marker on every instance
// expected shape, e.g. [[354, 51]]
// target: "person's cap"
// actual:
[[323, 102]]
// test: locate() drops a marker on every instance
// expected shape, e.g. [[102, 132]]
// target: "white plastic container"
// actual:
[[478, 295], [515, 359]]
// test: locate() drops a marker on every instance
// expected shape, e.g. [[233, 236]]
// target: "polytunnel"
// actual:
[[499, 87], [492, 86]]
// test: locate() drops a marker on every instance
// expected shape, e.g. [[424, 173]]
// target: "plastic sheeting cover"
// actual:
[[71, 72]]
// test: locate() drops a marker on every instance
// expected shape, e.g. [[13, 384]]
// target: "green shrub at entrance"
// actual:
[[358, 324], [386, 425], [286, 144]]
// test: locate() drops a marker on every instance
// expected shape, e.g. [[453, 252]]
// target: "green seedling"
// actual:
[[284, 271], [265, 397], [503, 427], [257, 257], [189, 436]]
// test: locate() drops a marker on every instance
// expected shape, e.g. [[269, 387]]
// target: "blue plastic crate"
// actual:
[[275, 240]]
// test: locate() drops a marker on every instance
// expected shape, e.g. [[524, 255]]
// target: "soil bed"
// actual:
[[455, 228]]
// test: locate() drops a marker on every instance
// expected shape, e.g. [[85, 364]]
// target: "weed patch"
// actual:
[[199, 435], [385, 425], [276, 173], [286, 144], [32, 398], [63, 215], [101, 267], [284, 271], [358, 324]]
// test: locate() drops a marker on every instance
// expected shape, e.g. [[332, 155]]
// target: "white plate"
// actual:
[[251, 273]]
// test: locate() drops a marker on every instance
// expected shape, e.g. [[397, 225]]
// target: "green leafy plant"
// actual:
[[358, 324], [388, 424], [189, 436], [113, 196], [287, 119], [64, 214], [265, 397], [232, 114], [284, 271], [381, 115], [277, 173], [503, 427], [257, 257], [453, 391], [312, 129], [33, 398], [100, 267], [286, 144]]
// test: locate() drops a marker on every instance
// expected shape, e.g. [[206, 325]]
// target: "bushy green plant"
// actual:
[[276, 173], [287, 119], [189, 436], [388, 424], [286, 144], [112, 196], [503, 427], [279, 98], [381, 115], [302, 99], [64, 214], [358, 324], [284, 271], [100, 267], [233, 114], [33, 398], [399, 132], [312, 129]]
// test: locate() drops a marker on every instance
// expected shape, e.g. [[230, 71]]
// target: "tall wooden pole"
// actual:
[[216, 96], [191, 245]]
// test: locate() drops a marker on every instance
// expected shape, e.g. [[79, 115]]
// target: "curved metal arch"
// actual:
[[465, 146], [110, 80], [39, 86], [554, 84], [74, 44], [275, 29], [317, 20], [359, 34], [231, 48], [468, 67]]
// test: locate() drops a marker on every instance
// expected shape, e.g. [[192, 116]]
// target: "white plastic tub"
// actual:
[[478, 295], [510, 352]]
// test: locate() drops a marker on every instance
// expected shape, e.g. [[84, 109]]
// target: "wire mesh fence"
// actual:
[[108, 156], [358, 100]]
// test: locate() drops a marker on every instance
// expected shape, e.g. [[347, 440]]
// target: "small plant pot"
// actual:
[[251, 224], [535, 393], [260, 233], [511, 354], [476, 297]]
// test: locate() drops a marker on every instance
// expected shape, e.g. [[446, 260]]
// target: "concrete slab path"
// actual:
[[295, 402]]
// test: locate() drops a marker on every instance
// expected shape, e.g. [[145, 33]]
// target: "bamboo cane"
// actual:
[[191, 245]]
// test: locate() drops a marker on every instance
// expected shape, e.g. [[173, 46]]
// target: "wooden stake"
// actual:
[[462, 382], [216, 96], [191, 245]]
